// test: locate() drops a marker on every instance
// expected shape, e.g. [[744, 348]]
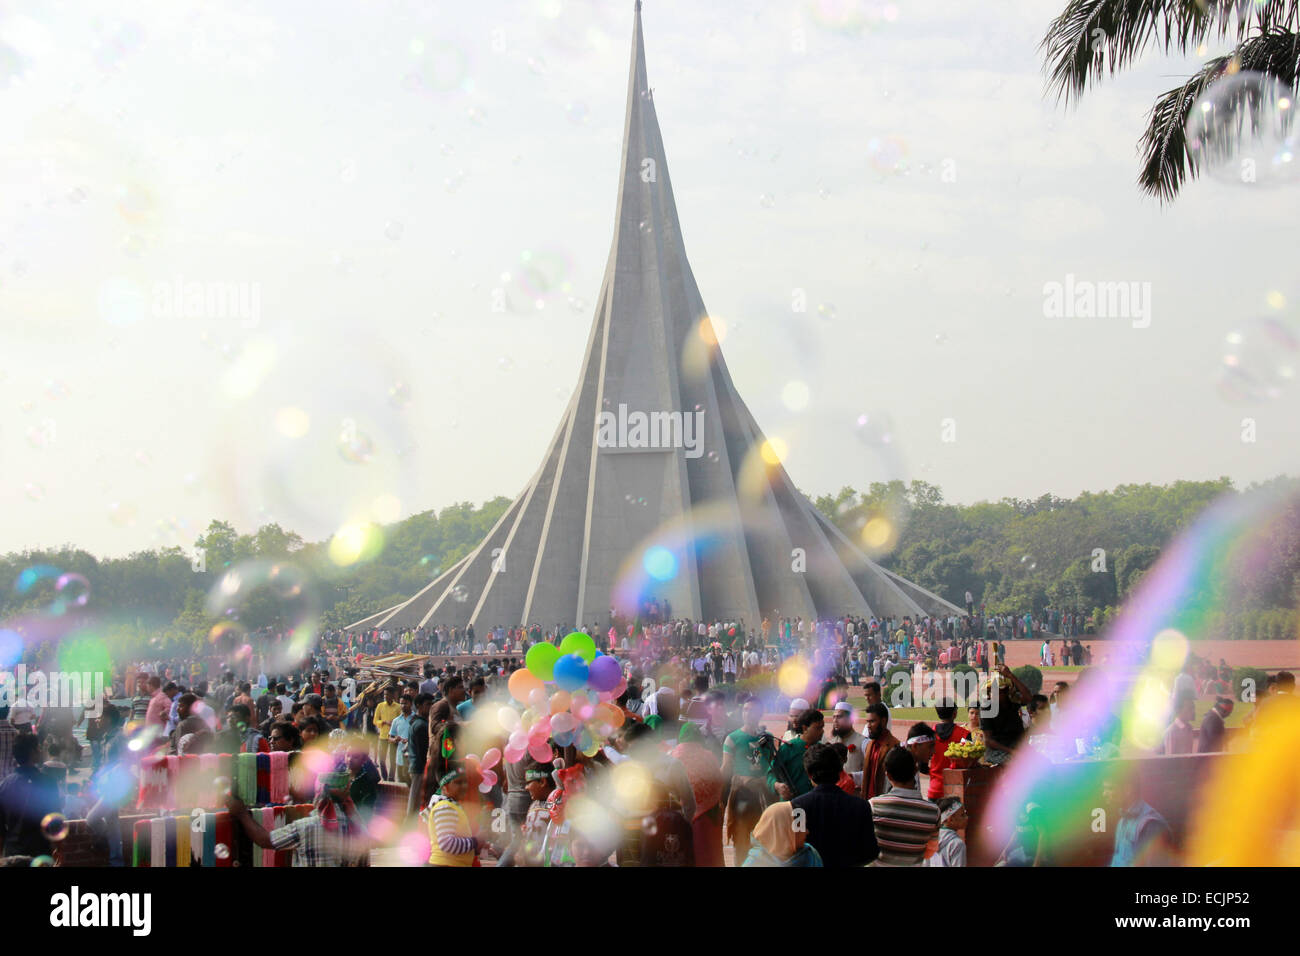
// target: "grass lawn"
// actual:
[[902, 713]]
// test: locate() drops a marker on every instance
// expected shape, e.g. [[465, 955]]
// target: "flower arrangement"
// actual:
[[964, 753]]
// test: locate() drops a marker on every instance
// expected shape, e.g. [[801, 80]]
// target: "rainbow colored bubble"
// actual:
[[1122, 706]]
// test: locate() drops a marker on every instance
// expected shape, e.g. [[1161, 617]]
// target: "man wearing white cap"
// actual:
[[842, 732], [797, 707]]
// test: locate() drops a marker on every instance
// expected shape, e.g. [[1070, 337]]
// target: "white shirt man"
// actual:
[[842, 732]]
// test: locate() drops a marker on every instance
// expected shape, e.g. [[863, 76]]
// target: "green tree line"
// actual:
[[1085, 553]]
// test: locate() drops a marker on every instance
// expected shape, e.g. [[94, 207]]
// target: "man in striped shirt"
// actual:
[[905, 821], [140, 702]]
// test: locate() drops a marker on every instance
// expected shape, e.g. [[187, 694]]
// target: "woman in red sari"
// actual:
[[705, 774]]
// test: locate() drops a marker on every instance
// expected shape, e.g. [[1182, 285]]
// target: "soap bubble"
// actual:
[[315, 450], [543, 273], [1242, 130], [354, 445], [73, 590], [879, 519], [400, 394], [122, 302], [54, 826], [264, 594], [1260, 360], [440, 67], [122, 514], [11, 648], [887, 154]]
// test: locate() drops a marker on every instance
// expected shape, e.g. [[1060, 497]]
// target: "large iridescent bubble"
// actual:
[[1124, 704], [1261, 358], [313, 438], [1242, 130], [271, 605]]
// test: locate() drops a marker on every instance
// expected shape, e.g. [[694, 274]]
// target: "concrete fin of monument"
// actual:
[[657, 452]]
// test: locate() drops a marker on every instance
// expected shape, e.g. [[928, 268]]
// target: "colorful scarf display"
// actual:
[[171, 783], [193, 839]]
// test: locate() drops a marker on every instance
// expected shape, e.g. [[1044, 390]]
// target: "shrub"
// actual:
[[971, 681], [890, 686], [1250, 680], [1030, 676]]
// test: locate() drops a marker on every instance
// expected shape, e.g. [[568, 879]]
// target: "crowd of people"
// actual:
[[691, 706]]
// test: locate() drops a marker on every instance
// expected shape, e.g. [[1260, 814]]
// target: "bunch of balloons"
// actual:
[[569, 692], [483, 766]]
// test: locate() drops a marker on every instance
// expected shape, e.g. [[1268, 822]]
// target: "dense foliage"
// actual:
[[1085, 554], [1013, 555]]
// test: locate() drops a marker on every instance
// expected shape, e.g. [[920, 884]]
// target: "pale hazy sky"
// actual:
[[370, 171]]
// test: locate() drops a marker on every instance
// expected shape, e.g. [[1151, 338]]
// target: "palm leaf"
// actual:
[[1167, 162], [1094, 38]]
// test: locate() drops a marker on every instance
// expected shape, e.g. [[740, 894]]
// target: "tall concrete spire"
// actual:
[[658, 483]]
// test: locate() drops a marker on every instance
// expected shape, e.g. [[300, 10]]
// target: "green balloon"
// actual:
[[580, 644], [540, 660]]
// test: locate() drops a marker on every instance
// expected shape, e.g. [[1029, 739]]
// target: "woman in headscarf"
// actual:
[[778, 843], [705, 775]]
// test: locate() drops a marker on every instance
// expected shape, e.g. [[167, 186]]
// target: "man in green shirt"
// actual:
[[787, 776]]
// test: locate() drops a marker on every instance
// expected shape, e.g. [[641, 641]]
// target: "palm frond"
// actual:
[[1095, 38], [1167, 163]]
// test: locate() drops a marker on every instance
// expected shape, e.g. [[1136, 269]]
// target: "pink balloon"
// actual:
[[539, 751], [489, 781], [490, 759], [515, 754], [563, 723]]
